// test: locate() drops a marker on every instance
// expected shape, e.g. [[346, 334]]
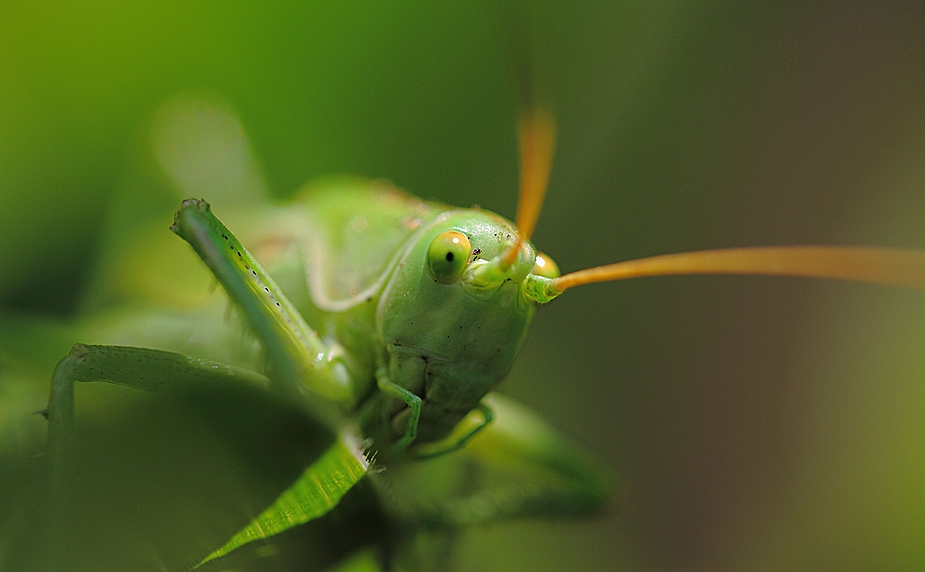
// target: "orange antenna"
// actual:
[[891, 266], [536, 134]]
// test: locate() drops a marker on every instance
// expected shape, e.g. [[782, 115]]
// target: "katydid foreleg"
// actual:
[[297, 357], [408, 398]]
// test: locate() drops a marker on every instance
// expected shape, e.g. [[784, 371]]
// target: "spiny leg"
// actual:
[[296, 356], [414, 405], [455, 441], [405, 423]]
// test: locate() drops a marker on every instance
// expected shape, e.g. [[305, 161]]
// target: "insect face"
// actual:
[[450, 342]]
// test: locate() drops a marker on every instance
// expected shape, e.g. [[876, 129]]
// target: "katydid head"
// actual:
[[456, 307], [452, 314]]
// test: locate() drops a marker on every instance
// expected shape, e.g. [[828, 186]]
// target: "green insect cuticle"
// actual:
[[256, 277]]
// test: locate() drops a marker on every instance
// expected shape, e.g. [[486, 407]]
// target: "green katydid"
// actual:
[[420, 309]]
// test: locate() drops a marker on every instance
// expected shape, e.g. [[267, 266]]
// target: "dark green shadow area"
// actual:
[[162, 481]]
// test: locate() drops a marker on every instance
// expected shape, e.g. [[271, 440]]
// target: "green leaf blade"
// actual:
[[315, 493]]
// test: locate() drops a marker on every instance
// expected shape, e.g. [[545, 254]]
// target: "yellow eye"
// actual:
[[448, 256], [545, 267]]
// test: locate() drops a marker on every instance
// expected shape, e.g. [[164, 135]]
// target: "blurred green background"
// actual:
[[757, 423]]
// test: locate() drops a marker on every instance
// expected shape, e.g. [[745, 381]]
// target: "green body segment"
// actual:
[[351, 230], [294, 352], [362, 249]]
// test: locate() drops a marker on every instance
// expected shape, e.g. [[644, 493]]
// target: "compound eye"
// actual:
[[545, 267], [448, 256]]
